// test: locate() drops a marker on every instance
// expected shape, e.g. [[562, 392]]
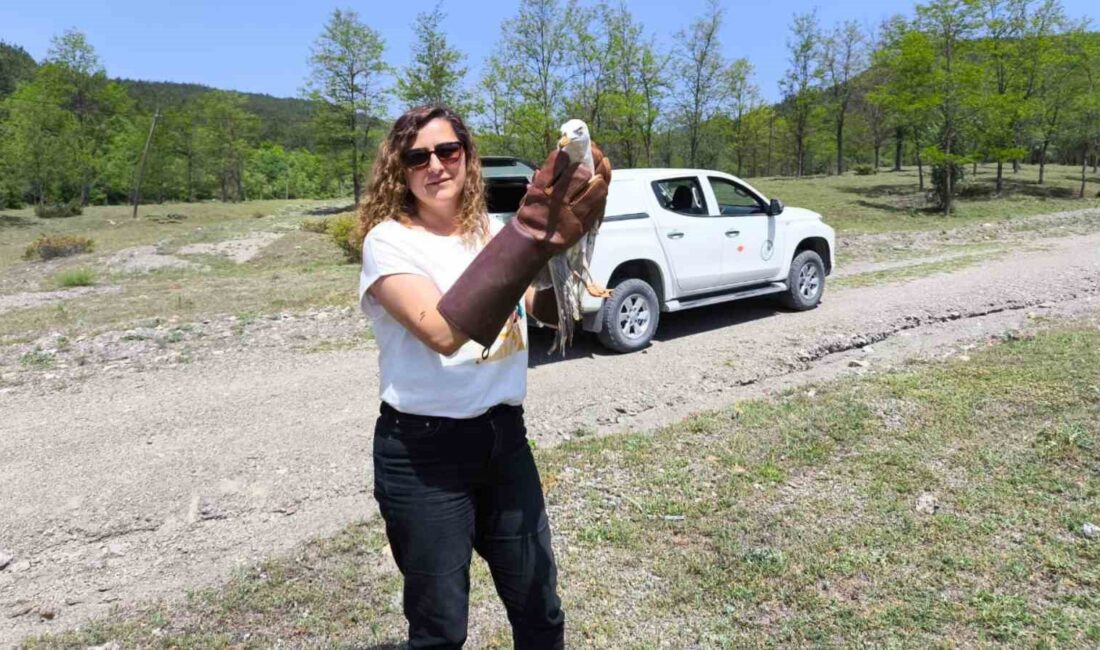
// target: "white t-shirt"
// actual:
[[414, 378]]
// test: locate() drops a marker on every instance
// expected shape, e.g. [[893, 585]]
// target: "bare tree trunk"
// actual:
[[840, 144], [1084, 171], [949, 186], [1000, 177], [899, 142], [190, 176], [920, 166], [1043, 159], [240, 182], [798, 156], [771, 140], [355, 170], [878, 147]]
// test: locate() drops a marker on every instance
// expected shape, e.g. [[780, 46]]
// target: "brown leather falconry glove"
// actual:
[[563, 202]]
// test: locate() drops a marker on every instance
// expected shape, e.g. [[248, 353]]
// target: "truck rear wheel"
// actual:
[[629, 317]]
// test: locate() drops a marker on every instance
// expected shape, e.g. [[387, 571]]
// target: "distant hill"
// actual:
[[15, 66], [283, 120]]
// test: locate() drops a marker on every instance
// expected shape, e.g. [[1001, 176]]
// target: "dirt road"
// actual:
[[125, 487]]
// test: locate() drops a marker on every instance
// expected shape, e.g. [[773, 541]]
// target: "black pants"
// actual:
[[448, 486]]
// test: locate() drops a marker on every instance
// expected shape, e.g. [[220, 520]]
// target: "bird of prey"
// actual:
[[569, 271]]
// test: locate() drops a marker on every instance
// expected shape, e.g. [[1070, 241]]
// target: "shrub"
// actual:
[[865, 170], [344, 232], [939, 180], [315, 225], [76, 278], [58, 210], [47, 247]]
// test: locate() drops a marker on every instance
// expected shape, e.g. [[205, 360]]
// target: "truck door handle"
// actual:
[[675, 234], [732, 233]]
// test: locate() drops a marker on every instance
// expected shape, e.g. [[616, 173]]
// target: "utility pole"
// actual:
[[141, 166]]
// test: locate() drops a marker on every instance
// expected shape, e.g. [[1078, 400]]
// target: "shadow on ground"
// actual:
[[671, 326], [13, 221], [885, 189], [330, 209]]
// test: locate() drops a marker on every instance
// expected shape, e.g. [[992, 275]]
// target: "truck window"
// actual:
[[733, 199], [681, 195]]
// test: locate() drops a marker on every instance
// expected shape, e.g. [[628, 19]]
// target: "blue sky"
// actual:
[[263, 46]]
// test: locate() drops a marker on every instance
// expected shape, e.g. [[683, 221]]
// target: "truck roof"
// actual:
[[646, 173]]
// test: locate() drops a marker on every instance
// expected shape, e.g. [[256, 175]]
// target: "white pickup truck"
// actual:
[[673, 239]]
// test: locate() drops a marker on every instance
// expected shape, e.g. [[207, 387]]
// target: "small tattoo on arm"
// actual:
[[423, 314]]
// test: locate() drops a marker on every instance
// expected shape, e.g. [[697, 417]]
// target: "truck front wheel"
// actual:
[[805, 282], [629, 317]]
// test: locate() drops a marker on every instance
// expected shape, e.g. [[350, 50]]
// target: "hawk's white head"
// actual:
[[575, 140]]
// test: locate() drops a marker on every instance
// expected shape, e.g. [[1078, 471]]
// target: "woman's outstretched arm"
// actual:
[[413, 300]]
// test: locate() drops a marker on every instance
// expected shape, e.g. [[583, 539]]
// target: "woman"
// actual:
[[453, 471]]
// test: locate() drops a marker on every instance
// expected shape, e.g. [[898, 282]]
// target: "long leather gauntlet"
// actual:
[[487, 292], [563, 202]]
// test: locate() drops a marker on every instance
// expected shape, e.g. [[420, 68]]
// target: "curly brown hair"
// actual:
[[388, 196]]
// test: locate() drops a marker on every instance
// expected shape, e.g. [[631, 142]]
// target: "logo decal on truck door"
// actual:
[[767, 250]]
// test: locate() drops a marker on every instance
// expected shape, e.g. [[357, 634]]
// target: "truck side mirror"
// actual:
[[775, 208]]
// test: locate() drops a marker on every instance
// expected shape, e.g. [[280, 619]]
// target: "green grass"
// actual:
[[890, 201], [781, 523], [79, 277]]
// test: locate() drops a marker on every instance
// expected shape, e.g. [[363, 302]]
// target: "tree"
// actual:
[[655, 87], [908, 92], [346, 68], [225, 139], [616, 84], [798, 84], [1059, 82], [529, 76], [436, 74], [589, 64], [842, 58], [744, 97], [1000, 97], [36, 146], [99, 106], [620, 105], [1084, 131], [700, 67], [949, 24]]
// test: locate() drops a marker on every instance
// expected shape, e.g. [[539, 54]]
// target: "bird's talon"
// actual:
[[597, 291]]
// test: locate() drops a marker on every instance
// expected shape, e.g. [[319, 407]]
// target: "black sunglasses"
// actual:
[[447, 152]]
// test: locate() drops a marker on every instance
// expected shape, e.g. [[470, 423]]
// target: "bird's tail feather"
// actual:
[[561, 274]]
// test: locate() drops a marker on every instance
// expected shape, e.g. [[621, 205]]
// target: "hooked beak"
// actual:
[[564, 141]]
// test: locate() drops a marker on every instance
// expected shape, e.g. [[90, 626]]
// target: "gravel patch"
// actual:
[[35, 298], [239, 250], [142, 259]]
